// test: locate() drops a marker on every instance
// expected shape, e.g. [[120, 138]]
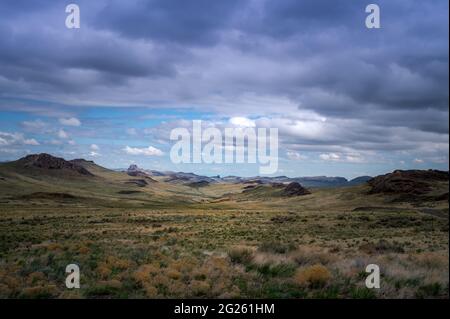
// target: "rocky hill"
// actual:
[[48, 162], [412, 185], [295, 189]]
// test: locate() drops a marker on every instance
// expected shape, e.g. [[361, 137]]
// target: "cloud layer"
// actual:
[[337, 91]]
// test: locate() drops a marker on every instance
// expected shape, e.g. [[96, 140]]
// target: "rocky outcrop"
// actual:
[[49, 162], [135, 171], [295, 189], [412, 182]]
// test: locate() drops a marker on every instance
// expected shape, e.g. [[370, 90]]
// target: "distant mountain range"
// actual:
[[191, 178], [43, 177]]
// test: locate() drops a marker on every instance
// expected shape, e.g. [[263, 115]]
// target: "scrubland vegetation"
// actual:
[[218, 252], [223, 240]]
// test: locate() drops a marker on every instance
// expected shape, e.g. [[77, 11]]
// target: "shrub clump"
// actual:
[[240, 255], [277, 247], [313, 276]]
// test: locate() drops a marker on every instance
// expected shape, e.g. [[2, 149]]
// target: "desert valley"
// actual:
[[139, 233]]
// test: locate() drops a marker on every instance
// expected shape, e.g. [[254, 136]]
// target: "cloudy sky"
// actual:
[[346, 100]]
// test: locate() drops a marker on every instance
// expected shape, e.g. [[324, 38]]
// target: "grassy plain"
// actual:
[[174, 241]]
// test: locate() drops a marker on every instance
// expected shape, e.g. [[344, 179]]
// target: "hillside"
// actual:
[[38, 179], [412, 185]]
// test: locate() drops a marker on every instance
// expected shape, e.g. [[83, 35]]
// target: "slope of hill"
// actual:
[[412, 184], [42, 178], [359, 180]]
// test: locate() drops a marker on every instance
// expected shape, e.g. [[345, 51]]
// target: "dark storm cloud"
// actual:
[[193, 22], [291, 17], [73, 63], [19, 7]]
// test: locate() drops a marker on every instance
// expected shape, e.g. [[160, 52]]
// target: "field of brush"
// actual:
[[224, 244]]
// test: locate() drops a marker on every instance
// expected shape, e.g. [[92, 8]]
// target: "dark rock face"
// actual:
[[133, 167], [135, 171], [295, 189], [46, 161], [412, 182]]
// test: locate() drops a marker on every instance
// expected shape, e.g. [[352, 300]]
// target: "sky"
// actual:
[[347, 100]]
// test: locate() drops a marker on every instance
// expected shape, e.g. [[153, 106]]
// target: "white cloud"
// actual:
[[149, 151], [131, 131], [55, 142], [296, 156], [62, 134], [36, 125], [71, 121], [330, 157], [418, 161], [16, 139], [242, 122], [94, 147], [354, 158], [94, 154], [350, 157], [31, 141]]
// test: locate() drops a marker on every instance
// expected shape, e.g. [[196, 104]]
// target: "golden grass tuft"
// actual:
[[313, 276], [35, 277], [118, 263], [173, 274], [41, 291], [144, 273], [150, 291], [103, 270], [199, 288], [54, 247], [84, 250]]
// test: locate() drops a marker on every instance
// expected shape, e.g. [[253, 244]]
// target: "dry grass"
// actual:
[[312, 276], [318, 249]]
